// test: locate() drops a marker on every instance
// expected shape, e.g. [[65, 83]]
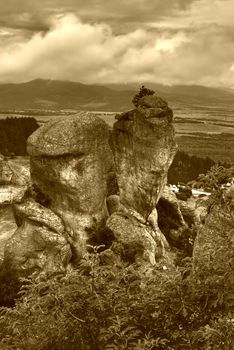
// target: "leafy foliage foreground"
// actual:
[[103, 306]]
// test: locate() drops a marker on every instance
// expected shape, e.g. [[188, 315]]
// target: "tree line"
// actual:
[[187, 167], [14, 133]]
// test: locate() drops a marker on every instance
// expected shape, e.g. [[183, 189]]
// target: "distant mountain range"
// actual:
[[57, 95]]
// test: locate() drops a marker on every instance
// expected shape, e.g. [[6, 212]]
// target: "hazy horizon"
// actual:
[[135, 85]]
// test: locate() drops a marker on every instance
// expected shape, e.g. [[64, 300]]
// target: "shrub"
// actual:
[[102, 307], [215, 177], [143, 92]]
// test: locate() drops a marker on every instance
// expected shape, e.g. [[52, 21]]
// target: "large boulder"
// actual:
[[141, 233], [136, 241], [38, 244], [143, 145], [70, 162]]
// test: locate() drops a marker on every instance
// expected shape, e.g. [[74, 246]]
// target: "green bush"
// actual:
[[100, 307]]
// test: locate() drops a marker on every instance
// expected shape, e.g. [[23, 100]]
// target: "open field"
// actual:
[[205, 128], [219, 147], [204, 131]]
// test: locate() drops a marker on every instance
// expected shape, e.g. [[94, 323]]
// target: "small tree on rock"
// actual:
[[143, 92]]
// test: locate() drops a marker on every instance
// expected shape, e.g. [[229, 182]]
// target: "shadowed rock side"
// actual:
[[38, 243], [143, 145], [70, 161]]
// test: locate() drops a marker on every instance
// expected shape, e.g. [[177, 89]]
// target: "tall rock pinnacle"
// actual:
[[143, 144]]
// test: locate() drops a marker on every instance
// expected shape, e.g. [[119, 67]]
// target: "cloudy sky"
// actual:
[[103, 41]]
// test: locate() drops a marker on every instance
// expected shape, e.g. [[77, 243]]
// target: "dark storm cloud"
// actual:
[[122, 15]]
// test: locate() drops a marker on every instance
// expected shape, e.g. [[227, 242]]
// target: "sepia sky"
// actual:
[[104, 41]]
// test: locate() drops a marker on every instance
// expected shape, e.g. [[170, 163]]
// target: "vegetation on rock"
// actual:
[[143, 92]]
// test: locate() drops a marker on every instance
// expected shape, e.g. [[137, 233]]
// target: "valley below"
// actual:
[[199, 131], [203, 116]]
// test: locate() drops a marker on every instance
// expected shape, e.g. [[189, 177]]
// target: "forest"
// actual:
[[187, 167], [14, 133]]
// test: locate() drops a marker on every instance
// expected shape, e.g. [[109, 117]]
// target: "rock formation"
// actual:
[[62, 208], [143, 146], [70, 161]]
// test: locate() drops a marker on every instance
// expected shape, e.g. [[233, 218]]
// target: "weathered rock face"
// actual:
[[14, 183], [70, 161], [187, 209], [39, 243], [12, 173], [151, 225], [214, 245], [136, 241], [143, 145]]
